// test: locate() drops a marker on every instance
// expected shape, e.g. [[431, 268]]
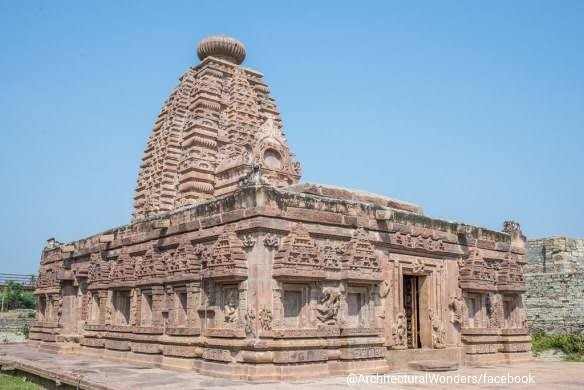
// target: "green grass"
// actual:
[[15, 383], [572, 345]]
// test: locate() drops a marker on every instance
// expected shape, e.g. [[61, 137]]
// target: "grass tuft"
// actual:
[[572, 345], [8, 382]]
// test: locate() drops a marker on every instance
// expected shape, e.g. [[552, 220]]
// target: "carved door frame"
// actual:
[[421, 324]]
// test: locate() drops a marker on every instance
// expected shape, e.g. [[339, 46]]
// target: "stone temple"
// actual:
[[232, 267]]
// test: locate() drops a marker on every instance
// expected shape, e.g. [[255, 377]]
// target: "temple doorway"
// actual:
[[412, 310]]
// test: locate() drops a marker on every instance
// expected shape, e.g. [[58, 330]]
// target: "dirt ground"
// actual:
[[111, 375]]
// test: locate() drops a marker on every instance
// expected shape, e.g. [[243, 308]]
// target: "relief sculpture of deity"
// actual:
[[328, 308], [231, 306], [438, 332], [400, 330], [457, 308]]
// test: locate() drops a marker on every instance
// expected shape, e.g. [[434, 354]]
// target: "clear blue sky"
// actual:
[[472, 109]]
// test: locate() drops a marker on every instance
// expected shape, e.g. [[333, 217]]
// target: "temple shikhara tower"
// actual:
[[218, 123], [232, 267]]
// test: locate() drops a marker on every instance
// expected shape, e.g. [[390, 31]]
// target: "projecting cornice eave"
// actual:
[[265, 200]]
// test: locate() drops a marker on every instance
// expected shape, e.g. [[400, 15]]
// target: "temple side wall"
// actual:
[[555, 297], [269, 284]]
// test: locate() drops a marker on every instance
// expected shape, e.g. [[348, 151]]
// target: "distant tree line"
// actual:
[[13, 296]]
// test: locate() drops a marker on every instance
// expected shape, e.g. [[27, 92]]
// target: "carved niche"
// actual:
[[231, 305], [327, 310]]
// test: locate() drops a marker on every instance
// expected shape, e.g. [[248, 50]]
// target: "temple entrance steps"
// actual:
[[434, 365], [425, 359]]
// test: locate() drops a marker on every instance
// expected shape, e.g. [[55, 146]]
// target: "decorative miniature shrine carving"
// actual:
[[298, 252], [226, 259]]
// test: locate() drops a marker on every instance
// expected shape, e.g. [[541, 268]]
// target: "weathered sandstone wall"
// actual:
[[555, 298]]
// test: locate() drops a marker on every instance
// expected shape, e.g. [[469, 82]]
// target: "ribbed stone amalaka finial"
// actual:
[[223, 47]]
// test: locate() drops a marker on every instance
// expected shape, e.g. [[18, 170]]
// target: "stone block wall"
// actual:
[[555, 297], [555, 254]]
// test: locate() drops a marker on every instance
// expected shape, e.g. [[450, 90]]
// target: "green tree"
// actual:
[[27, 300], [12, 296]]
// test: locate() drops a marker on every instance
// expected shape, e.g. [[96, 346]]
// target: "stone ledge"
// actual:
[[434, 365]]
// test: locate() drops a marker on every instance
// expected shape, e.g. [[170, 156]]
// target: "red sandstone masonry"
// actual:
[[230, 268]]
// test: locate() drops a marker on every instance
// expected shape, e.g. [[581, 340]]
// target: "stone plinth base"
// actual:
[[402, 359]]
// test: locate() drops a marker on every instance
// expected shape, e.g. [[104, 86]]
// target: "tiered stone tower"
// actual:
[[216, 125]]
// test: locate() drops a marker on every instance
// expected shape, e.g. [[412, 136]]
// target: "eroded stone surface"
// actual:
[[95, 373]]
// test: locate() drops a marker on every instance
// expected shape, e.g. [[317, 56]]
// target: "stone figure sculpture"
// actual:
[[231, 306], [400, 330], [438, 332], [328, 308], [266, 318]]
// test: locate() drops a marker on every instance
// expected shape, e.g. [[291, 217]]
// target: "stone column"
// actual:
[[278, 318], [104, 299], [134, 298], [170, 305], [242, 303], [193, 304], [157, 306]]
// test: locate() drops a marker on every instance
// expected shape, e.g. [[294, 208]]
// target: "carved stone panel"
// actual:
[[226, 260]]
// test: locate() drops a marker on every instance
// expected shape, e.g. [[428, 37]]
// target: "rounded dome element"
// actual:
[[223, 47]]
